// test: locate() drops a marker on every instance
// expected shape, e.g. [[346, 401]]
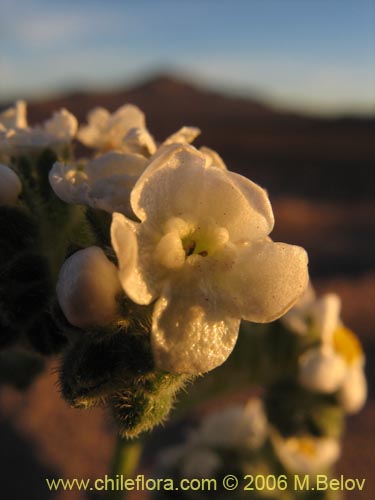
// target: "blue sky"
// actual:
[[314, 55]]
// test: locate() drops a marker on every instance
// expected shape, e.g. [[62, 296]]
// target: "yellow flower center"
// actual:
[[205, 239], [346, 343], [305, 445]]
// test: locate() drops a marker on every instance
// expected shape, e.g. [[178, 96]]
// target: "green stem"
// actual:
[[125, 463]]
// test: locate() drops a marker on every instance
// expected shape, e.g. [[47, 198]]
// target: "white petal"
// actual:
[[212, 158], [113, 163], [69, 184], [260, 202], [185, 135], [267, 278], [63, 125], [189, 335], [14, 117], [10, 186], [87, 287], [97, 120], [178, 183], [139, 140], [326, 315], [298, 318], [321, 370], [353, 392], [128, 116], [132, 275], [111, 178]]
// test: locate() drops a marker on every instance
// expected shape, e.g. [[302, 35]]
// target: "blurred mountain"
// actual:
[[291, 154]]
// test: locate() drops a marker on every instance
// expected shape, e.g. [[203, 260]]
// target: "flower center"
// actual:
[[305, 445], [183, 240]]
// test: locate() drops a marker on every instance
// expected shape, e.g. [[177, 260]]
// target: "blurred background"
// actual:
[[284, 91]]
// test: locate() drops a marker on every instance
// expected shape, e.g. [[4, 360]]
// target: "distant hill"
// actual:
[[291, 154]]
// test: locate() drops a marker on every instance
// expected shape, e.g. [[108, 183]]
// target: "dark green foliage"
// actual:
[[45, 337], [44, 163], [294, 410], [25, 289], [18, 231], [100, 222], [98, 363]]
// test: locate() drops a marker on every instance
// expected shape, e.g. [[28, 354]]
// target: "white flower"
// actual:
[[202, 250], [87, 288], [14, 117], [338, 363], [53, 133], [305, 454], [10, 186], [235, 427], [124, 130], [105, 182]]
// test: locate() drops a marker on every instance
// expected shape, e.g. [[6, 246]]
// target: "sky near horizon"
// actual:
[[311, 55]]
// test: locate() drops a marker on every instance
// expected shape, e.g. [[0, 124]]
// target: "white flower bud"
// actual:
[[87, 287], [10, 186], [321, 370]]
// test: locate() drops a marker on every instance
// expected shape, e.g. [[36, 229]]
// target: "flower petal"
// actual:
[[111, 179], [139, 140], [321, 370], [10, 186], [212, 158], [114, 162], [353, 392], [185, 135], [189, 335], [69, 184], [125, 244], [178, 182], [14, 117], [325, 313], [63, 125], [267, 278]]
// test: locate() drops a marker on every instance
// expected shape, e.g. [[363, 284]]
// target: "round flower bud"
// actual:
[[10, 186], [87, 288], [321, 370], [353, 392]]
